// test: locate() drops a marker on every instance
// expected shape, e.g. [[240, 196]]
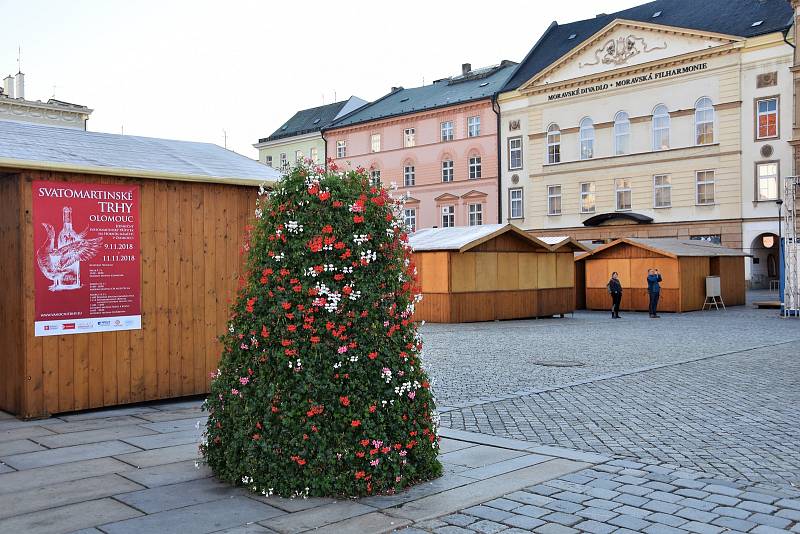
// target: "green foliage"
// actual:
[[320, 389]]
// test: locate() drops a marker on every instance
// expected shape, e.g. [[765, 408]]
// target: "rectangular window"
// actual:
[[473, 126], [341, 149], [475, 214], [298, 155], [474, 167], [375, 177], [767, 180], [448, 216], [587, 197], [554, 200], [284, 161], [409, 137], [447, 170], [268, 160], [622, 187], [314, 155], [515, 203], [705, 187], [409, 175], [767, 118], [515, 153], [662, 191], [447, 131], [410, 217], [553, 145], [375, 142]]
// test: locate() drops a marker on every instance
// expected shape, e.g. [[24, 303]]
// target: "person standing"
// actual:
[[615, 290], [654, 290]]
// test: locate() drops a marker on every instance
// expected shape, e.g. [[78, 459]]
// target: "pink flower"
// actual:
[[342, 349], [375, 462], [403, 453], [244, 380], [234, 391], [412, 394]]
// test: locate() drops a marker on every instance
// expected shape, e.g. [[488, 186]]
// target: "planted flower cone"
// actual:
[[320, 389]]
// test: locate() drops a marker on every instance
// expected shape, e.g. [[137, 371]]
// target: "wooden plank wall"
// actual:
[[11, 360], [732, 283], [693, 281], [191, 235]]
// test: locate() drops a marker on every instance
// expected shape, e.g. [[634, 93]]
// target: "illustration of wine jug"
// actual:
[[71, 277]]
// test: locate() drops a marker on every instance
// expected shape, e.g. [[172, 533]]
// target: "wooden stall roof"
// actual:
[[563, 242], [669, 247], [464, 238], [50, 148]]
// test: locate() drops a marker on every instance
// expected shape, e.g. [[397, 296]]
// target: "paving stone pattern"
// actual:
[[736, 415], [627, 496]]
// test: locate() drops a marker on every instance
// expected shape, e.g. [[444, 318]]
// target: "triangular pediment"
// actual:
[[412, 200], [625, 44], [446, 197], [474, 194]]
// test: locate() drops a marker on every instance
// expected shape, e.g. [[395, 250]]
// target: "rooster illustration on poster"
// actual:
[[60, 260]]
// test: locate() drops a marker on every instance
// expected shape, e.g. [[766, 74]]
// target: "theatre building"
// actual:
[[670, 119]]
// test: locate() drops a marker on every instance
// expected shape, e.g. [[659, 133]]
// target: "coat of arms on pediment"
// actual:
[[619, 50]]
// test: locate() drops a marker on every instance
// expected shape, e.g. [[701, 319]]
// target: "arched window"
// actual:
[[660, 127], [553, 144], [586, 136], [447, 169], [704, 121], [622, 134]]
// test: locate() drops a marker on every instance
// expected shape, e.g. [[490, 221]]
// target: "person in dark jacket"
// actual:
[[615, 290], [654, 290]]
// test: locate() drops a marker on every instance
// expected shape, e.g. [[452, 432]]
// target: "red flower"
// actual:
[[258, 426], [378, 201], [327, 229], [372, 355], [314, 339], [360, 474], [358, 219], [360, 454], [256, 437], [345, 402], [364, 442], [291, 328], [355, 423], [338, 277], [337, 204], [325, 195], [286, 305], [250, 303], [286, 342], [301, 462], [264, 332], [372, 408]]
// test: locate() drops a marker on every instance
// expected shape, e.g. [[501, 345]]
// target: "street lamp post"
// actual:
[[781, 281]]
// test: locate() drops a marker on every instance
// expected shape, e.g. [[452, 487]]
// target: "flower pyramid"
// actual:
[[320, 389]]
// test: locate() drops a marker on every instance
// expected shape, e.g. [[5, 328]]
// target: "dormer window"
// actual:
[[656, 14], [572, 36], [757, 23]]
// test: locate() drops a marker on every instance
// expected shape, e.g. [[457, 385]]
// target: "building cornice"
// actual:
[[289, 140]]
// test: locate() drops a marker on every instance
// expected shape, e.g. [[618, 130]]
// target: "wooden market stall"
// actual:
[[483, 273], [683, 265], [148, 329]]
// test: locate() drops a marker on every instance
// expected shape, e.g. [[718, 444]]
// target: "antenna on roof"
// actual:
[[225, 137], [122, 129], [334, 95], [19, 59], [54, 91]]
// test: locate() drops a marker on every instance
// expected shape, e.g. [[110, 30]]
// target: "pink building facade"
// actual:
[[443, 157]]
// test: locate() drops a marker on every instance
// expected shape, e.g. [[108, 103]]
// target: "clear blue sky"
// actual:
[[190, 69]]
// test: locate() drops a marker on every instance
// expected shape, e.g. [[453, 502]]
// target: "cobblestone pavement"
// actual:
[[624, 496], [736, 415], [480, 361]]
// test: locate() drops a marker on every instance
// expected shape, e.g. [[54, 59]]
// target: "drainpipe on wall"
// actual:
[[499, 162], [325, 150]]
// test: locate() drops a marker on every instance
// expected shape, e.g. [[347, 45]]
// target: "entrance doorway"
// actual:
[[764, 268]]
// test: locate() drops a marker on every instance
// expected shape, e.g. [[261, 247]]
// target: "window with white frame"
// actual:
[[284, 160], [622, 188], [660, 127], [268, 160], [448, 216], [554, 200], [662, 191], [767, 180], [586, 137], [447, 131], [767, 118], [515, 203], [473, 126], [409, 137], [410, 218], [475, 214], [409, 175], [375, 177], [553, 144], [314, 154], [474, 167], [704, 121], [298, 155], [375, 142], [341, 148], [705, 187], [587, 197], [622, 134], [515, 153], [447, 170]]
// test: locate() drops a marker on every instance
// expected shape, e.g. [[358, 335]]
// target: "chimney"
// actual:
[[465, 68], [20, 92], [395, 89], [8, 86]]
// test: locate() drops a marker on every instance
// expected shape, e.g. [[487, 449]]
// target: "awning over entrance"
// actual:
[[602, 218]]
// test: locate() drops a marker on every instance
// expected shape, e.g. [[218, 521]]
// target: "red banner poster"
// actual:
[[86, 258]]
